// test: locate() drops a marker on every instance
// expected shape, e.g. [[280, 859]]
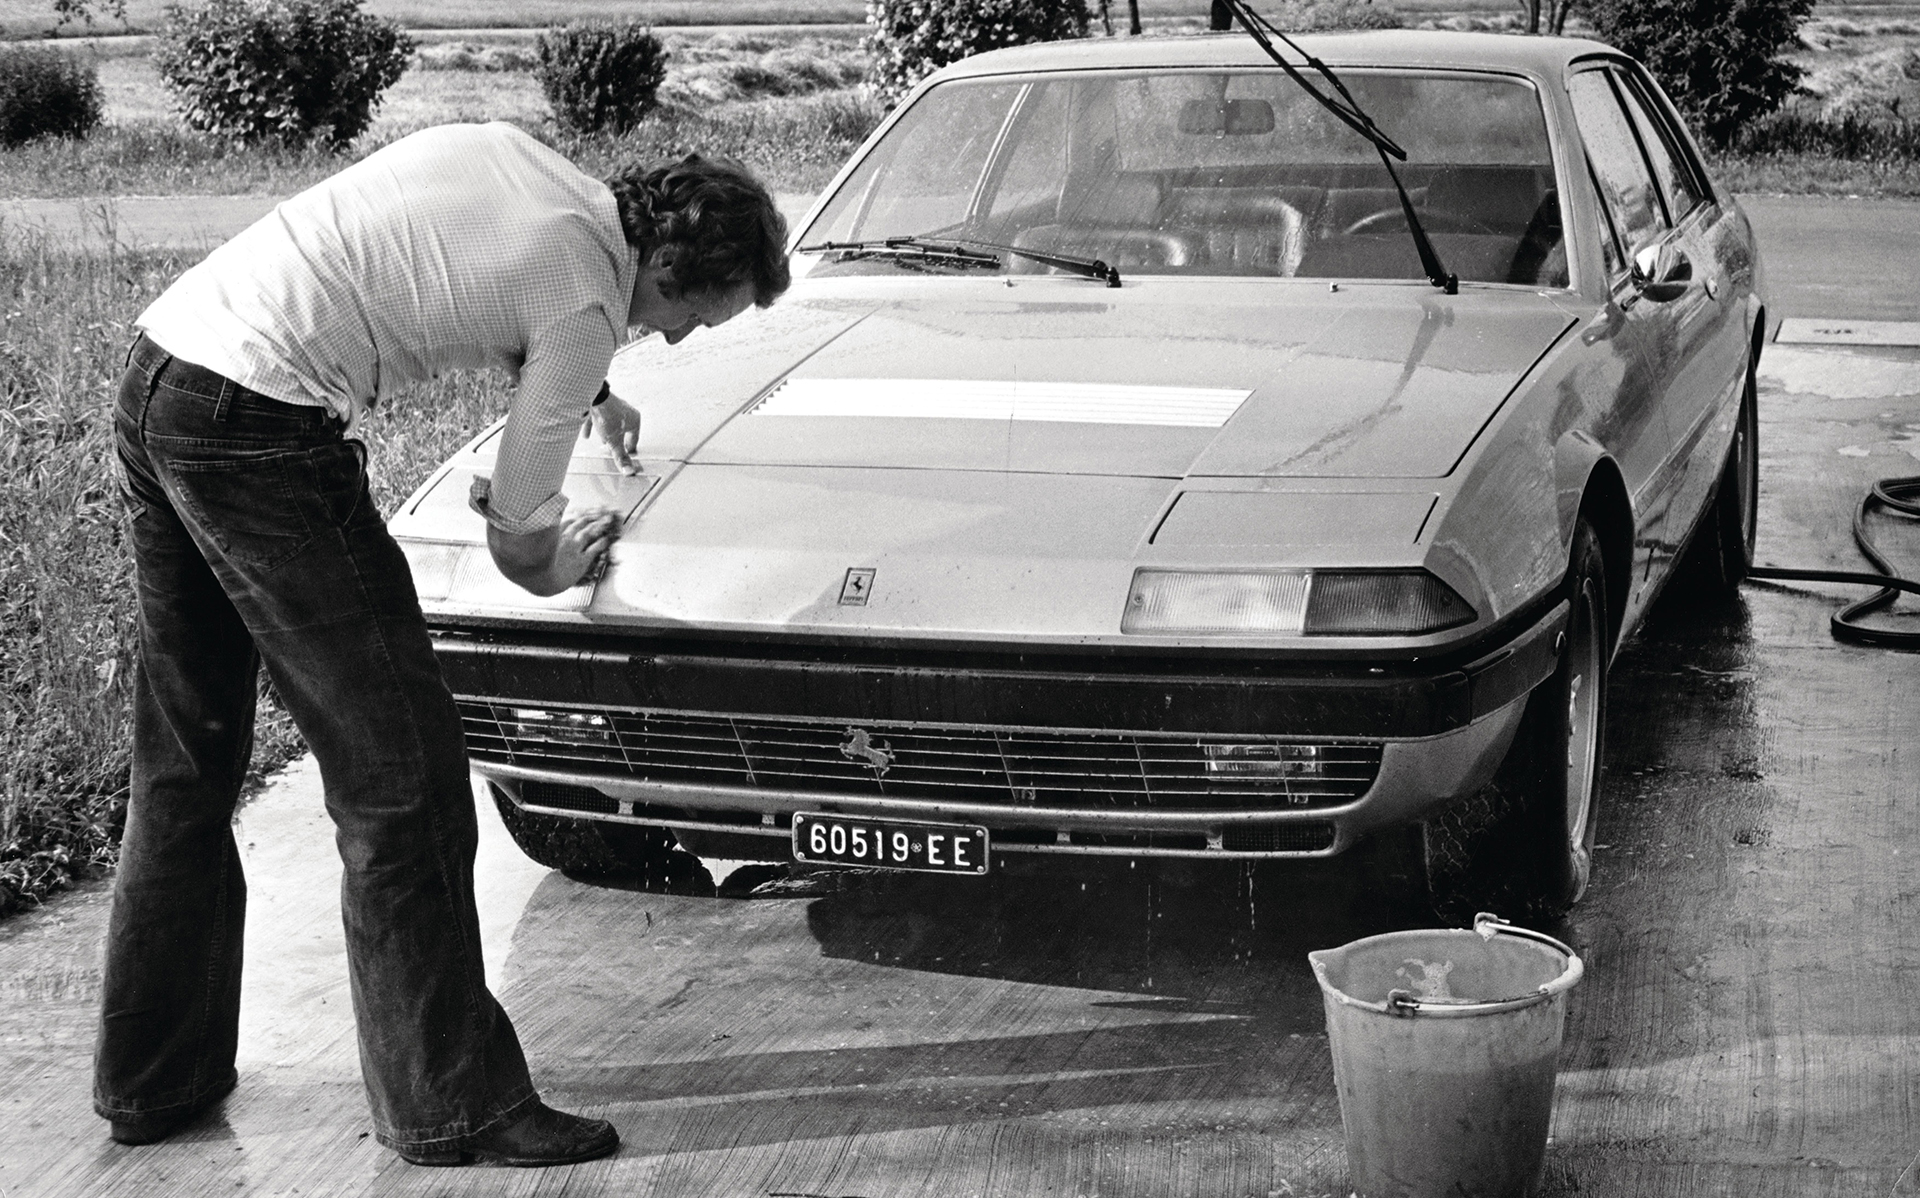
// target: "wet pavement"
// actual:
[[1748, 1024]]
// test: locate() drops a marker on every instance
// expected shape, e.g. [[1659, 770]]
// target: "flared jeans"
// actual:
[[255, 541]]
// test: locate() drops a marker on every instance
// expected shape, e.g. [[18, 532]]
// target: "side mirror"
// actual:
[[1662, 273]]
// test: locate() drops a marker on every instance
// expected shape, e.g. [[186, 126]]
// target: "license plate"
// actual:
[[890, 844]]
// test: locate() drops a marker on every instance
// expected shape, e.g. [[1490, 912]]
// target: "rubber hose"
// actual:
[[1901, 495]]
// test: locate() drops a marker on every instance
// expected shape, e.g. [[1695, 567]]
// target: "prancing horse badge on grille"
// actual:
[[859, 584], [860, 744]]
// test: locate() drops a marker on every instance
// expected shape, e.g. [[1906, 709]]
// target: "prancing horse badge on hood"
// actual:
[[859, 584]]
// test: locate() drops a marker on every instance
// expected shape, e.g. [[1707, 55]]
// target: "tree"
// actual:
[[1556, 13], [1718, 59]]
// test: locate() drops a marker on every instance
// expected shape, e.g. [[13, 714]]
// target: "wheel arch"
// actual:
[[1604, 504]]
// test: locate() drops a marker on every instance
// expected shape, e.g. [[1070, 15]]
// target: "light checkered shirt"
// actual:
[[460, 246]]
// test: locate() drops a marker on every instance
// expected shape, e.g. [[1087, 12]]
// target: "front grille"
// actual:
[[1304, 837], [1012, 767], [570, 798]]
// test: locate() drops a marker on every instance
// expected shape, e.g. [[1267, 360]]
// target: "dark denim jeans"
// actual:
[[255, 540]]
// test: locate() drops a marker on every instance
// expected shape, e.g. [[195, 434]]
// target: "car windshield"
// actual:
[[1209, 172]]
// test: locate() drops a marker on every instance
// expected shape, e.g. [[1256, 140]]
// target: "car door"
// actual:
[[1704, 401], [1642, 335]]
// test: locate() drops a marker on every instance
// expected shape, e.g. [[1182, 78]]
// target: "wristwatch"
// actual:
[[601, 396]]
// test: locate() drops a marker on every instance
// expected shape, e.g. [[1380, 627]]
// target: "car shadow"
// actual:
[[1176, 933]]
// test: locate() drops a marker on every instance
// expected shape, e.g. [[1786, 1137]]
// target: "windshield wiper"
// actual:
[[1349, 111], [903, 247], [1090, 268], [956, 251]]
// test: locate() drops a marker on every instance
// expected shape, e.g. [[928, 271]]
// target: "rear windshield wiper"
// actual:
[[957, 251], [1349, 111]]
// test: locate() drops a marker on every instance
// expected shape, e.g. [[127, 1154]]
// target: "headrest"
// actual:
[[1501, 197]]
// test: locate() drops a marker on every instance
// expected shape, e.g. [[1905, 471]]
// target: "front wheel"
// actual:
[[1522, 845]]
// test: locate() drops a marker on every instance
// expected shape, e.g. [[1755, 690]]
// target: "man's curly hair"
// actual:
[[719, 219]]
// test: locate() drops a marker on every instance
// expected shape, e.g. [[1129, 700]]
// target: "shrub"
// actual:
[[907, 40], [601, 76], [45, 94], [1719, 60], [286, 71]]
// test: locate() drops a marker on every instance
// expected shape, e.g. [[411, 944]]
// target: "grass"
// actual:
[[66, 586], [1816, 174]]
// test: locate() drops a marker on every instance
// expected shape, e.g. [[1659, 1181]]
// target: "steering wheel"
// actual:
[[1438, 220]]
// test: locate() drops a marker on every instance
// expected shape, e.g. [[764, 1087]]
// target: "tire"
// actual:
[[1722, 548], [1522, 845], [585, 847]]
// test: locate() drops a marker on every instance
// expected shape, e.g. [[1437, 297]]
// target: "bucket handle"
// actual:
[[1489, 925]]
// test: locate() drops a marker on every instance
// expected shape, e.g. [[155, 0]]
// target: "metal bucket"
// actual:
[[1444, 1049]]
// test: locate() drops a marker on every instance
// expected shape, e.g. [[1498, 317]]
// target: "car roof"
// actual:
[[1544, 57]]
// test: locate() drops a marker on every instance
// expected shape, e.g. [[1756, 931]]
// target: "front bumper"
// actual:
[[1113, 757]]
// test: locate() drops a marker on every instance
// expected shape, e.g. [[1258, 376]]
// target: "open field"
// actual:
[[783, 103], [36, 18]]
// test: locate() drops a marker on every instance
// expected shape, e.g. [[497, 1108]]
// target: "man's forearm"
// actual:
[[526, 558]]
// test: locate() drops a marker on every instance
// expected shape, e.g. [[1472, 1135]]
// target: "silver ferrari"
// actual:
[[1167, 449]]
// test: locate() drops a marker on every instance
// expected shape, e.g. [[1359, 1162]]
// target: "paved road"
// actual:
[[1837, 257], [1748, 1026]]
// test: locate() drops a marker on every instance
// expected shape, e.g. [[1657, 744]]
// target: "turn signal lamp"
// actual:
[[1383, 603], [1292, 602]]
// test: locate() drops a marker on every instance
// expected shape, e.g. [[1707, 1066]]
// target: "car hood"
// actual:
[[1170, 380], [995, 468]]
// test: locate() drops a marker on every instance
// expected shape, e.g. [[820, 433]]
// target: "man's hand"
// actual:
[[547, 561], [617, 422]]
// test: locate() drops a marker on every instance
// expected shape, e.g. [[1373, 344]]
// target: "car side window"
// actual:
[[1669, 166], [1626, 185]]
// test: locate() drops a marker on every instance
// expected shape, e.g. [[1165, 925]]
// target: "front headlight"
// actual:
[[1292, 603], [433, 564], [462, 572]]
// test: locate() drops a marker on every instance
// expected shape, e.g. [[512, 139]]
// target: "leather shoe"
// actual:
[[541, 1136], [152, 1129]]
